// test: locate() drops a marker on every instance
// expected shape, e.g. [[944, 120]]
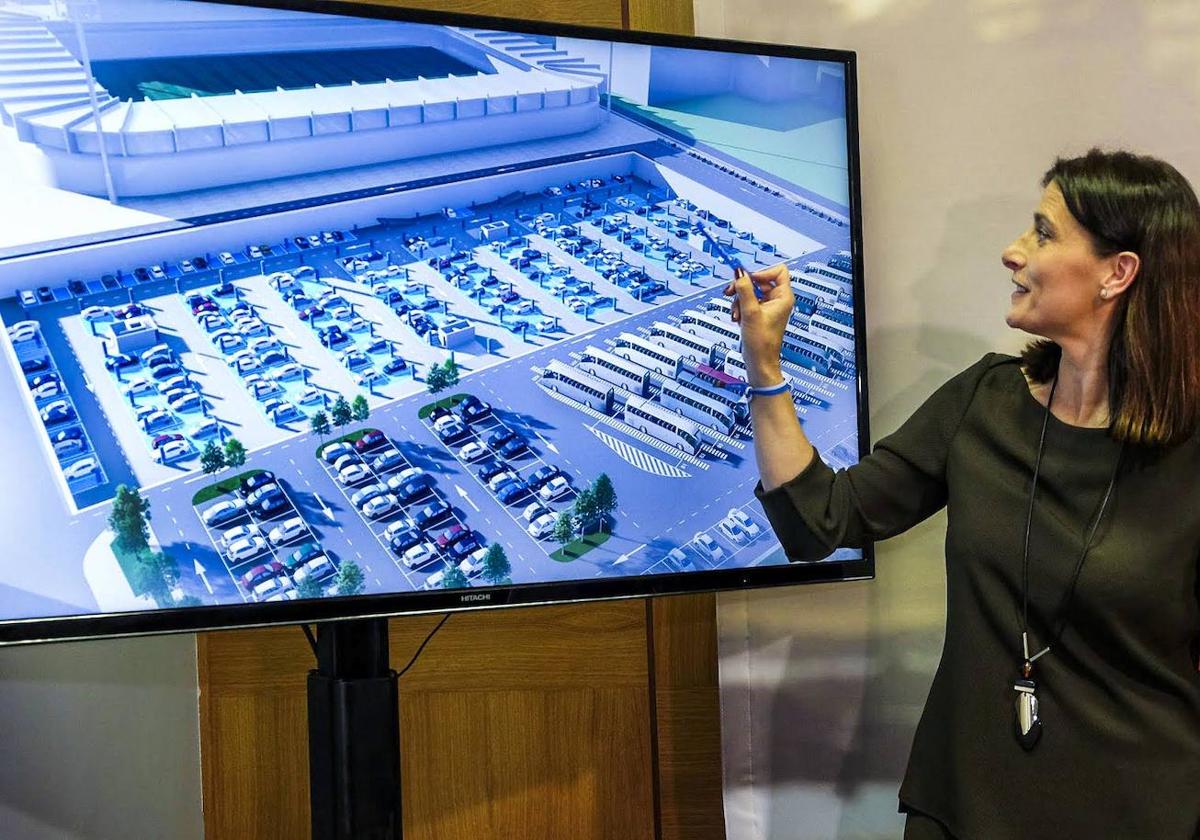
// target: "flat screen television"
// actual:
[[320, 311]]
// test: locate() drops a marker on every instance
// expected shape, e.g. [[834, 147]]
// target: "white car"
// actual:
[[341, 313], [472, 564], [282, 280], [95, 313], [340, 462], [500, 478], [173, 450], [220, 508], [310, 396], [731, 532], [47, 390], [368, 378], [319, 568], [379, 506], [357, 325], [287, 530], [708, 547], [23, 331], [542, 526], [435, 580], [353, 473], [555, 488], [533, 510], [241, 532], [394, 528], [473, 451], [407, 474], [139, 387], [247, 547], [744, 523], [288, 371], [250, 328], [70, 446], [226, 258], [419, 555], [271, 587], [81, 469]]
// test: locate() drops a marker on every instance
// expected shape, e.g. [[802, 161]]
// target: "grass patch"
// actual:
[[445, 402], [349, 437], [220, 488], [578, 548]]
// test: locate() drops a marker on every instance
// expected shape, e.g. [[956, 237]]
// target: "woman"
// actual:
[[1067, 701]]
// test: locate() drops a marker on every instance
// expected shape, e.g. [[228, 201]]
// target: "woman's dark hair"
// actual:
[[1130, 202]]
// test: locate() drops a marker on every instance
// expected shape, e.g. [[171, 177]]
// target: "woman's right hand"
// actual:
[[762, 322]]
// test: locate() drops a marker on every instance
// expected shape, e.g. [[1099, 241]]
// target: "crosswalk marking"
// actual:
[[636, 457]]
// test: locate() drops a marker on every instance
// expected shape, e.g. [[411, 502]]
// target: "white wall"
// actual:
[[101, 741], [963, 103]]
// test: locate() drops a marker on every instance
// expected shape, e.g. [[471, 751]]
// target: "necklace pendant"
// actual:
[[1028, 724]]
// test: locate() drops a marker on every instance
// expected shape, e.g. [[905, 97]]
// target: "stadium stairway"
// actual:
[[538, 51]]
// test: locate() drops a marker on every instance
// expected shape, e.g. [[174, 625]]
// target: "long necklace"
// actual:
[[1028, 724]]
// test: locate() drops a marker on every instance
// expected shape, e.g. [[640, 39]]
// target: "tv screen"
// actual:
[[323, 310]]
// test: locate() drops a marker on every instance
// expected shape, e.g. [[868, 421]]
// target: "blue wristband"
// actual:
[[771, 390]]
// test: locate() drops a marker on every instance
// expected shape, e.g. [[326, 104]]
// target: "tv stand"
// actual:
[[354, 734]]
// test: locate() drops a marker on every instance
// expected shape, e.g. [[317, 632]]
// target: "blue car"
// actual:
[[511, 490], [513, 447], [396, 365]]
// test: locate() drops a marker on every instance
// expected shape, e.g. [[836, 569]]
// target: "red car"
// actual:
[[370, 440], [311, 312], [202, 306], [258, 574], [129, 311], [450, 536], [159, 440]]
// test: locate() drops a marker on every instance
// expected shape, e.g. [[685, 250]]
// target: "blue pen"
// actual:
[[726, 256]]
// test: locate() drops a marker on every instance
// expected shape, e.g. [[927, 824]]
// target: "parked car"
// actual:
[[59, 411], [246, 548], [319, 568], [258, 574], [272, 505], [542, 526], [473, 451], [472, 408], [387, 460], [741, 523], [162, 440], [370, 440], [707, 547], [418, 555], [555, 488], [330, 452], [261, 492], [513, 447], [81, 469], [512, 491], [287, 530], [404, 539], [361, 497], [47, 390], [304, 554], [240, 532], [541, 475], [173, 451], [353, 474], [379, 506], [120, 360], [432, 513], [222, 512]]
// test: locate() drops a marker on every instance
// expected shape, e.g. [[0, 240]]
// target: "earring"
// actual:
[[1104, 293]]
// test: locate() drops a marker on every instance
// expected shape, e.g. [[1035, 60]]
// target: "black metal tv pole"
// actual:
[[354, 734]]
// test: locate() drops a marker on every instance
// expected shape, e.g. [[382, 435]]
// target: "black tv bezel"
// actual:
[[249, 615]]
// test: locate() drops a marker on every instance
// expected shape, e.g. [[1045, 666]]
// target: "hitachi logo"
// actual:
[[479, 596]]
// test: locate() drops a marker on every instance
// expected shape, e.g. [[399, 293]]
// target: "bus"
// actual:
[[836, 313], [720, 379], [683, 343], [816, 287], [734, 366], [810, 353], [579, 385], [708, 325], [658, 359], [842, 261], [836, 334], [663, 424], [697, 403], [830, 272], [615, 369], [722, 305]]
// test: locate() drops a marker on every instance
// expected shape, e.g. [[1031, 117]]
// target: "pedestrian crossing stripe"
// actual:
[[637, 458]]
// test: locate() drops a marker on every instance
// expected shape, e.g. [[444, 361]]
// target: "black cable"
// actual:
[[422, 647], [312, 640]]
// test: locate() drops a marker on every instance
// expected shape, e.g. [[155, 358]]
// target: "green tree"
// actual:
[[564, 529], [604, 497], [495, 564], [350, 579], [584, 509], [235, 452], [435, 380], [451, 368], [155, 574], [320, 424], [360, 409], [212, 459], [453, 578], [129, 518], [342, 414], [309, 588]]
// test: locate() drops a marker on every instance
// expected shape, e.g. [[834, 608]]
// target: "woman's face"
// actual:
[[1057, 273]]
